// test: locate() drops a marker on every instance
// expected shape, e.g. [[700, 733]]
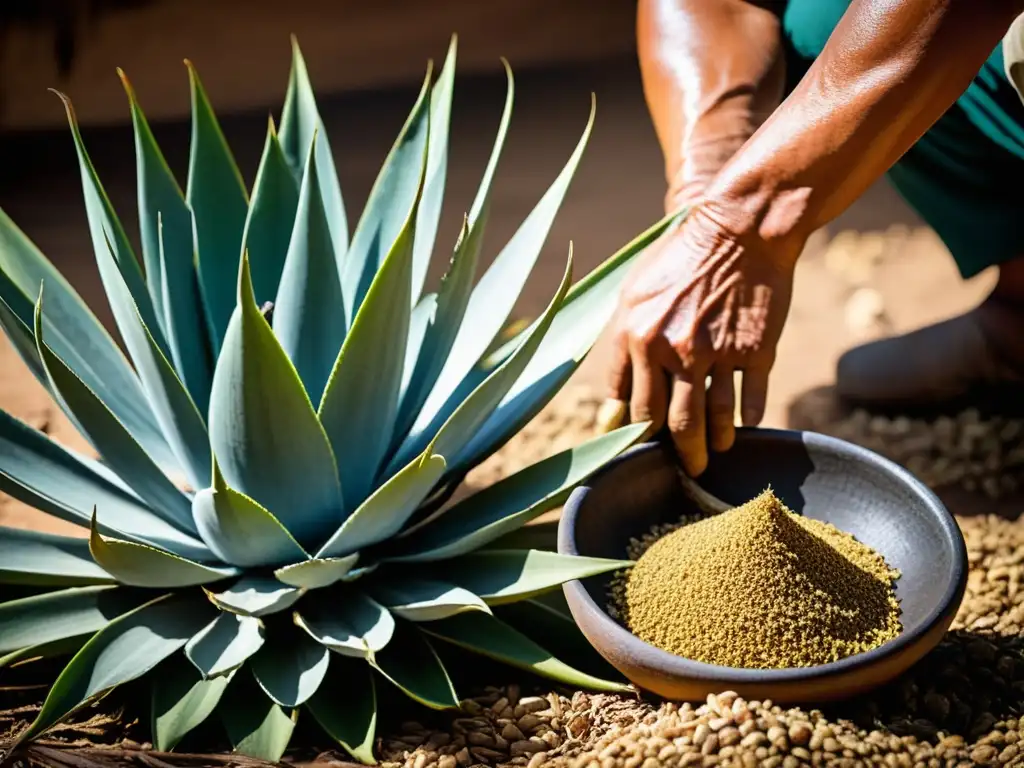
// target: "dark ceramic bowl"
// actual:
[[824, 478]]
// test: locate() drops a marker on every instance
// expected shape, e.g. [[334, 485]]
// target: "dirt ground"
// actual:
[[876, 270]]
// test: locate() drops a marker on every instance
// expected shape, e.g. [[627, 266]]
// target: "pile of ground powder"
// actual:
[[759, 586]]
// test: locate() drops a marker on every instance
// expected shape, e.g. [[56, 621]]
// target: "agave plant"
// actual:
[[271, 508]]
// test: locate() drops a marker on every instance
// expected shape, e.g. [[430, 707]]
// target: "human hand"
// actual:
[[703, 301]]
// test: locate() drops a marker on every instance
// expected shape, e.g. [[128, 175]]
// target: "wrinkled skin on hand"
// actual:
[[700, 302]]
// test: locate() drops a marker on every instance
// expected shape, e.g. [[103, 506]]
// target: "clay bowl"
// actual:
[[822, 477]]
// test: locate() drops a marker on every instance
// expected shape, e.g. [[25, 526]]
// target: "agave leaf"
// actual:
[[535, 535], [127, 648], [217, 198], [256, 726], [351, 720], [421, 318], [175, 410], [424, 599], [32, 557], [436, 171], [13, 306], [268, 228], [290, 667], [52, 616], [461, 425], [165, 227], [383, 514], [491, 637], [496, 293], [513, 501], [395, 192], [358, 408], [255, 596], [76, 336], [112, 440], [139, 565], [423, 369], [309, 315], [65, 646], [300, 126], [347, 622], [279, 456], [224, 644], [238, 530], [45, 475], [583, 315], [318, 573], [182, 700], [411, 664]]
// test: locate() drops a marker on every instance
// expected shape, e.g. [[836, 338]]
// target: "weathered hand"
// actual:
[[701, 302]]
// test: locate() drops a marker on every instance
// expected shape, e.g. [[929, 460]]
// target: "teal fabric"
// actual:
[[963, 176]]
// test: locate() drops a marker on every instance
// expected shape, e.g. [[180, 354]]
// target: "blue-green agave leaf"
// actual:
[[224, 644], [501, 576], [265, 435], [255, 596], [420, 319], [118, 448], [165, 228], [360, 402], [436, 172], [290, 667], [173, 406], [182, 700], [65, 613], [45, 475], [491, 637], [44, 559], [424, 599], [76, 336], [18, 333], [383, 514], [347, 622], [535, 535], [494, 296], [256, 726], [309, 316], [300, 126], [351, 720], [126, 649], [443, 322], [395, 192], [411, 664], [317, 573], [65, 646], [268, 228], [219, 203], [584, 314], [513, 501], [139, 565], [238, 530]]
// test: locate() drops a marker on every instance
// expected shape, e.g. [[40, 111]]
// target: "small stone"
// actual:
[[512, 732], [530, 704], [447, 761], [526, 747], [729, 736], [527, 723]]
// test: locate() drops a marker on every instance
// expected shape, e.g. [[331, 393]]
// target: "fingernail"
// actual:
[[611, 415]]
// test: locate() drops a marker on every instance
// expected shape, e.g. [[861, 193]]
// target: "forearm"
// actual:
[[889, 71], [712, 72]]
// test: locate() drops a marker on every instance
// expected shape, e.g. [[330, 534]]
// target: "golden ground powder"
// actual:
[[759, 586]]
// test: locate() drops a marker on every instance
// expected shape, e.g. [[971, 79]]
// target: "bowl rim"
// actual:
[[679, 666]]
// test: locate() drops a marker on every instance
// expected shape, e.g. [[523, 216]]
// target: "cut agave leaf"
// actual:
[[44, 559], [424, 599], [309, 316], [55, 616], [217, 198], [124, 650], [347, 622], [300, 126], [502, 576], [239, 531], [224, 644], [491, 637], [255, 596], [411, 664], [256, 726], [65, 646], [317, 573], [513, 501], [182, 700], [280, 456], [290, 667], [351, 720]]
